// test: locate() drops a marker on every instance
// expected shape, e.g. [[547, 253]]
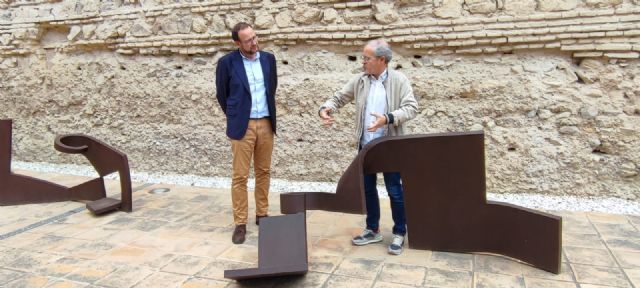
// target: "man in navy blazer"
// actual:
[[246, 82]]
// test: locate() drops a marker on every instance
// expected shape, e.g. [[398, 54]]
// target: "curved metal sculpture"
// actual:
[[19, 189], [445, 199], [106, 160]]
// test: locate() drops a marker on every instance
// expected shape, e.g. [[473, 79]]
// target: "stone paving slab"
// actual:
[[183, 239]]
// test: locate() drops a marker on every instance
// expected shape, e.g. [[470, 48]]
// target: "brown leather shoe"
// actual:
[[238, 234], [258, 219]]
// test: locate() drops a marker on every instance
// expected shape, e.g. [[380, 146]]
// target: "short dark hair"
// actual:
[[237, 28]]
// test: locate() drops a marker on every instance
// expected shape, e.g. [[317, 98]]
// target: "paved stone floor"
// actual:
[[182, 239]]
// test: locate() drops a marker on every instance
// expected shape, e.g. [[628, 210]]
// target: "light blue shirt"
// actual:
[[376, 102], [259, 108]]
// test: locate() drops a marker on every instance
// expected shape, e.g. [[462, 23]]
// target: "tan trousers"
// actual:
[[256, 143]]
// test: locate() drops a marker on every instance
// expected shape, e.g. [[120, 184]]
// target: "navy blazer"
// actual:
[[234, 94]]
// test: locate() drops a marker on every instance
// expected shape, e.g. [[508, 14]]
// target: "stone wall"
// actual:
[[555, 84]]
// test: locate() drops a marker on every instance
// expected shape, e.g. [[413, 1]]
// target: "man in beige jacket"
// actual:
[[384, 103]]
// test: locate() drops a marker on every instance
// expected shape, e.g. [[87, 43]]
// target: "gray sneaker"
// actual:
[[367, 237], [396, 245]]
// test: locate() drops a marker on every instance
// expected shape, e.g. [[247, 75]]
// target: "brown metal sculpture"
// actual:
[[348, 198], [282, 248], [445, 199], [18, 189], [106, 160]]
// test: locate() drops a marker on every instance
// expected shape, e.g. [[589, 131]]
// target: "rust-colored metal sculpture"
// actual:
[[282, 248], [349, 196], [106, 160], [445, 199], [18, 189]]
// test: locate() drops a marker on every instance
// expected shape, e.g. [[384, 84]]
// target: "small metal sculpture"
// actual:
[[18, 189], [106, 160], [282, 248]]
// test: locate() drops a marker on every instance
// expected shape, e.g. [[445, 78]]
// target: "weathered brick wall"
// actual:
[[553, 83]]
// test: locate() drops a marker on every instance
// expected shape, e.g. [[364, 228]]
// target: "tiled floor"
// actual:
[[182, 239]]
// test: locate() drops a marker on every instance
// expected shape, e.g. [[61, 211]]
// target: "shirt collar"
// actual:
[[382, 77], [244, 57]]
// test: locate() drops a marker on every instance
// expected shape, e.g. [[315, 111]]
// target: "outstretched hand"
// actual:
[[380, 121], [325, 116]]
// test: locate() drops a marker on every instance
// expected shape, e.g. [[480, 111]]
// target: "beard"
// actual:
[[251, 51]]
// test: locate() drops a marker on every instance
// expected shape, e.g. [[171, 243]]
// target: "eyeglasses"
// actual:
[[367, 58], [251, 40]]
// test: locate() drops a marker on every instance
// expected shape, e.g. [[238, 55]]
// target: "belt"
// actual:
[[265, 117]]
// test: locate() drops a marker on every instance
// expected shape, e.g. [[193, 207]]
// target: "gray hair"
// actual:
[[381, 49]]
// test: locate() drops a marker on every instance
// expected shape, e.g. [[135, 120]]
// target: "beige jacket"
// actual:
[[400, 101]]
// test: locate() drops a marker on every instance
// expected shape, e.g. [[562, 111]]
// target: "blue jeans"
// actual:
[[396, 197]]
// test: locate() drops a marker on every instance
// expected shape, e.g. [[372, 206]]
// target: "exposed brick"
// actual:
[[564, 36], [588, 47], [500, 26], [515, 39], [553, 45], [628, 55], [499, 40], [534, 24], [465, 20], [531, 39], [463, 35], [621, 11], [628, 26], [600, 20], [553, 16], [513, 33], [505, 19], [587, 54], [613, 47], [479, 34], [467, 28], [579, 35], [469, 51], [548, 38], [449, 36], [438, 30], [589, 13], [585, 41], [540, 16], [570, 14], [557, 29], [398, 39], [614, 33]]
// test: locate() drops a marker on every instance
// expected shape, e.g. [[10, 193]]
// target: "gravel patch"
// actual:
[[533, 201]]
